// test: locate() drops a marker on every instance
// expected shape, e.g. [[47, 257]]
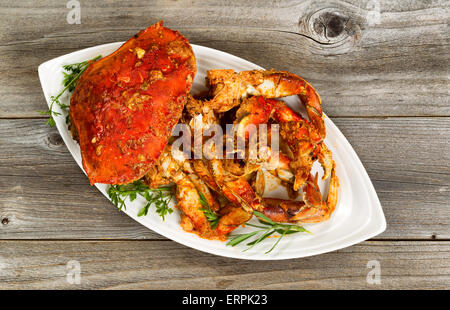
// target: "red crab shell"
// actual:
[[125, 105]]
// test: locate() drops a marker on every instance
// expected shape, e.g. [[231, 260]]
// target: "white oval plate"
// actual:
[[358, 215]]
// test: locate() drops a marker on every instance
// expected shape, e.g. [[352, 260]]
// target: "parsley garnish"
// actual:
[[211, 216], [74, 71], [270, 228], [159, 197]]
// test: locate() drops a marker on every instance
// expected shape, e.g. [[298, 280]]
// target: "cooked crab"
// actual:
[[125, 105], [244, 95]]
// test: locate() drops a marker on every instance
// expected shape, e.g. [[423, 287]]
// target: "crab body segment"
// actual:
[[125, 105]]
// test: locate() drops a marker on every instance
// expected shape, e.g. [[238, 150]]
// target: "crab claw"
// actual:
[[316, 210], [297, 137], [325, 158], [280, 210]]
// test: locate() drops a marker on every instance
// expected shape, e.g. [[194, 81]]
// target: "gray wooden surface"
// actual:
[[384, 82]]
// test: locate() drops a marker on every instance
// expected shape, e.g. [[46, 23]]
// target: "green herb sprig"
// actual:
[[71, 77], [211, 216], [159, 197], [270, 227]]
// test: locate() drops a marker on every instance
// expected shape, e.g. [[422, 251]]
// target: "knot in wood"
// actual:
[[55, 139], [329, 24], [336, 29], [331, 27], [5, 221]]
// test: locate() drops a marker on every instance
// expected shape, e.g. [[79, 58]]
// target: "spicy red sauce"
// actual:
[[125, 105]]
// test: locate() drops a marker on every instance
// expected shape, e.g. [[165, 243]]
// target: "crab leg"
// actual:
[[186, 194], [202, 171], [231, 220], [198, 182], [235, 188]]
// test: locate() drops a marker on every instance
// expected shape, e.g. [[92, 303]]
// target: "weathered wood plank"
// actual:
[[363, 63], [168, 265], [408, 161], [44, 194]]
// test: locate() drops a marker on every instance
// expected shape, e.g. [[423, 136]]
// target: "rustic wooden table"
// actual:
[[382, 68]]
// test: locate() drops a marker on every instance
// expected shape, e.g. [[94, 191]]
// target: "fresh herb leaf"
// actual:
[[159, 197], [211, 216], [239, 238], [144, 210], [263, 219], [270, 227], [282, 235], [74, 71], [261, 238]]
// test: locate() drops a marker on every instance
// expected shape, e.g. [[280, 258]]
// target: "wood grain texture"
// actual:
[[44, 194], [168, 265], [394, 64]]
